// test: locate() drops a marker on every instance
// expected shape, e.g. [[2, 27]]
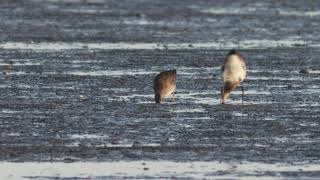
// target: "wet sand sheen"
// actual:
[[245, 44], [144, 169]]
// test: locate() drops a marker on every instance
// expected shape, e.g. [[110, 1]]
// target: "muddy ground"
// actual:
[[97, 104]]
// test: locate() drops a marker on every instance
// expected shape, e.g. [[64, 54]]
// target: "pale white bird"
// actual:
[[164, 84], [233, 73]]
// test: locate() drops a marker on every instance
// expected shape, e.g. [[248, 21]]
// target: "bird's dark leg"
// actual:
[[173, 99], [221, 95], [242, 93]]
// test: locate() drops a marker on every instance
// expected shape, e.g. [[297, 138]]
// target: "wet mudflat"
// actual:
[[76, 86]]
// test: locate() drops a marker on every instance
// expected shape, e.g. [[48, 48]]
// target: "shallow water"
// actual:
[[76, 87], [106, 111]]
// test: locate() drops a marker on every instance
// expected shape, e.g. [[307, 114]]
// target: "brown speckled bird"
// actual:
[[233, 73], [164, 84]]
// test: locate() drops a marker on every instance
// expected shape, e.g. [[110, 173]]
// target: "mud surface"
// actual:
[[97, 104]]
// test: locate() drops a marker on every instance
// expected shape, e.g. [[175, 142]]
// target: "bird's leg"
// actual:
[[242, 93], [221, 95], [173, 97]]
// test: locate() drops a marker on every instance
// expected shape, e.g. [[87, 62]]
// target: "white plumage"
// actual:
[[234, 69], [233, 74]]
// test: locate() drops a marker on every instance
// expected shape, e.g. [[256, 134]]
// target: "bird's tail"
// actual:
[[232, 51]]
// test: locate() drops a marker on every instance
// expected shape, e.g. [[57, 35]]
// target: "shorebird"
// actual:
[[164, 84], [233, 73]]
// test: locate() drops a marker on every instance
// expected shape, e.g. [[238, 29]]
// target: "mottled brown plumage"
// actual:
[[164, 84], [233, 73]]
